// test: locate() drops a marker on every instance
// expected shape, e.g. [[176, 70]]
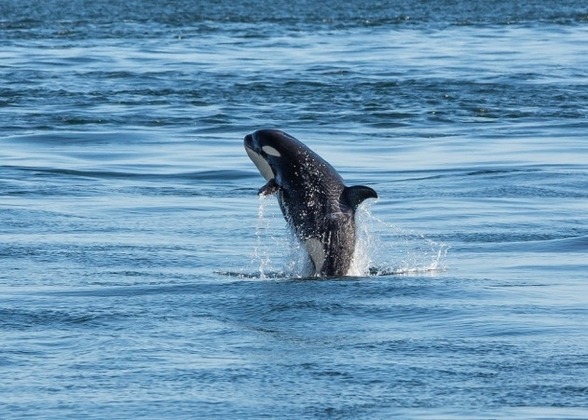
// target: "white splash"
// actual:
[[381, 248], [385, 249], [278, 253]]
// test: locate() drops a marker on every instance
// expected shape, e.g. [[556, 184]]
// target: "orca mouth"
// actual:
[[255, 155], [249, 143]]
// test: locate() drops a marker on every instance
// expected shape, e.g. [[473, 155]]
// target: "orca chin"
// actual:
[[315, 202], [264, 168]]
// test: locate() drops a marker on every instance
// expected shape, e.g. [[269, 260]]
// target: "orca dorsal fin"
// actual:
[[355, 195]]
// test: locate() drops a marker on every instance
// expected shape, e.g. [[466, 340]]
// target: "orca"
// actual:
[[315, 202]]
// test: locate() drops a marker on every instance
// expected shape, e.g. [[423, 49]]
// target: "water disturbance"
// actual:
[[141, 275]]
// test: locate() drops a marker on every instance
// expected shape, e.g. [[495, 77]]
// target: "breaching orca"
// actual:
[[314, 201]]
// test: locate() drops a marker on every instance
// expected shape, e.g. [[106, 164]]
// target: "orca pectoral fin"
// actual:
[[271, 187], [354, 196]]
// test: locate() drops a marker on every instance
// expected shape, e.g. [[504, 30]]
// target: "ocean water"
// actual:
[[141, 276]]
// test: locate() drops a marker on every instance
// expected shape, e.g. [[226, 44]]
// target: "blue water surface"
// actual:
[[141, 276]]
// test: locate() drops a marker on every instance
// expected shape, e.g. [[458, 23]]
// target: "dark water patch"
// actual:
[[521, 240], [22, 319], [521, 192], [498, 172], [374, 104], [209, 175], [63, 18], [68, 138], [19, 219], [67, 258], [137, 289], [520, 182]]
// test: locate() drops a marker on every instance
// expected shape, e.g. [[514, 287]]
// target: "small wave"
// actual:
[[551, 245], [215, 175], [25, 319]]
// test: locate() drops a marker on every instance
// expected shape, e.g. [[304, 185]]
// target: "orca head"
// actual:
[[267, 149]]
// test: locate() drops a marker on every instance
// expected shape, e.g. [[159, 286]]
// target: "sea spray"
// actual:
[[260, 253], [394, 250], [381, 247], [277, 253], [365, 242]]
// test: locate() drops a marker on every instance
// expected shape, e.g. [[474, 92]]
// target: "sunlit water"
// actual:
[[141, 276]]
